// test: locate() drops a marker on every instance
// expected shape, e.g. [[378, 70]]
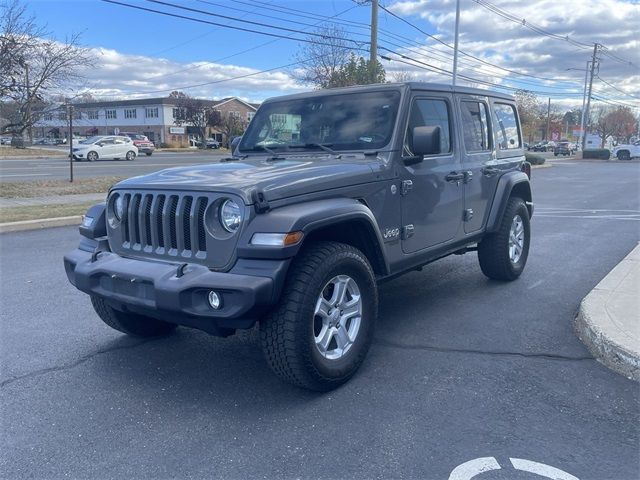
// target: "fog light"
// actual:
[[214, 300]]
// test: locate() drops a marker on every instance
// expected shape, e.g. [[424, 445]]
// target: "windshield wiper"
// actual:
[[323, 146], [273, 153]]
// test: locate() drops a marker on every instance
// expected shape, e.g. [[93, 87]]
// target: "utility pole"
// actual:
[[596, 46], [29, 121], [373, 50], [70, 137], [548, 118], [455, 45], [584, 99]]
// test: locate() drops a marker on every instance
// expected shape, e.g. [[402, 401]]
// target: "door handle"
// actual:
[[454, 177], [490, 171]]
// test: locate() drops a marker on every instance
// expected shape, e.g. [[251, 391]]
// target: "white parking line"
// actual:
[[546, 471], [474, 467]]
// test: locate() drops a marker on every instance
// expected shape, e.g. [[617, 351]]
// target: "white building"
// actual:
[[153, 117]]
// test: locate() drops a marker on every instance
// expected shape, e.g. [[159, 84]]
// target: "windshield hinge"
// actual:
[[261, 204]]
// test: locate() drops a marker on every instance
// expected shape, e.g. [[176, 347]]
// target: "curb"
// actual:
[[596, 329], [39, 224]]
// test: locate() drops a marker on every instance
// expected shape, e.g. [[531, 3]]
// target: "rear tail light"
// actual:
[[526, 168]]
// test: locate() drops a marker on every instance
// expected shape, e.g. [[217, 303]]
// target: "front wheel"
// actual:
[[503, 254], [130, 323], [131, 155], [92, 156], [320, 333]]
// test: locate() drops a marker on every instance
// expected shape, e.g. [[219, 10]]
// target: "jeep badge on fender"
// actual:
[[328, 194]]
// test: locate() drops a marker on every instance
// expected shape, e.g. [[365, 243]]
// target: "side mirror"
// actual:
[[234, 143], [426, 141]]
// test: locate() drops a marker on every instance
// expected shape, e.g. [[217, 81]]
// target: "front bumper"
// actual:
[[157, 290]]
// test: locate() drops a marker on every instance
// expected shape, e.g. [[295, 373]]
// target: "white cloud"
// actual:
[[484, 34], [120, 75]]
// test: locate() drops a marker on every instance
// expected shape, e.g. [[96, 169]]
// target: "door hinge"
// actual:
[[407, 186], [407, 231], [468, 214]]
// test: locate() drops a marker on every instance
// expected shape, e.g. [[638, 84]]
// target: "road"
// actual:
[[461, 368], [57, 168]]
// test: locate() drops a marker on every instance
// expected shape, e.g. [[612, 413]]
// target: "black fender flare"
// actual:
[[518, 181], [308, 217]]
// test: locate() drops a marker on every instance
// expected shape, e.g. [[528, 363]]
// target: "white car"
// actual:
[[110, 146], [626, 152]]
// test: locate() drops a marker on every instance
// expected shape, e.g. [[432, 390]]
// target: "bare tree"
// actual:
[[32, 66], [193, 112], [613, 121], [402, 76], [322, 59], [228, 123]]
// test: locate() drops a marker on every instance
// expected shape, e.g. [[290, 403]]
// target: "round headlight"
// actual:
[[118, 207], [230, 215]]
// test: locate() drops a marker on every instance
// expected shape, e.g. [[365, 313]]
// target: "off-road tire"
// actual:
[[130, 323], [493, 250], [287, 333]]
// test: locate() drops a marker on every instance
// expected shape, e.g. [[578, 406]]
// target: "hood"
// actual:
[[277, 179]]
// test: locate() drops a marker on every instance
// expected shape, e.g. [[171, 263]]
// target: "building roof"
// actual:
[[154, 101]]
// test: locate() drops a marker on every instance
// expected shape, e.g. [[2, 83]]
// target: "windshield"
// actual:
[[351, 121], [90, 140]]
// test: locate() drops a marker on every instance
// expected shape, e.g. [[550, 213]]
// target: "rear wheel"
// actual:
[[624, 155], [503, 254], [320, 333], [131, 155], [92, 156], [130, 323]]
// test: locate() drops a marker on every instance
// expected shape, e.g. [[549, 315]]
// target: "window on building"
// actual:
[[178, 113], [475, 128], [48, 116], [110, 114], [92, 114], [130, 113], [62, 116], [77, 115], [250, 116], [234, 113], [506, 126], [151, 112], [429, 112]]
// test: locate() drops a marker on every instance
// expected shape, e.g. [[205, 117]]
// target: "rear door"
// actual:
[[431, 199], [478, 161]]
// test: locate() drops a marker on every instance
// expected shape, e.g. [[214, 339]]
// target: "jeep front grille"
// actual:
[[165, 224]]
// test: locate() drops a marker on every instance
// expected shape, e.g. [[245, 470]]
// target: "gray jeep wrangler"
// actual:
[[328, 194]]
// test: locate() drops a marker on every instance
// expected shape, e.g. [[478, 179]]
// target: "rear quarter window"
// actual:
[[505, 125]]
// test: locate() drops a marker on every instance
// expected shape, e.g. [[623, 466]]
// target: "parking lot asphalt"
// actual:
[[461, 368]]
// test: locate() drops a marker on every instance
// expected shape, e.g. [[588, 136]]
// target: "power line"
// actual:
[[208, 22], [462, 52], [616, 88]]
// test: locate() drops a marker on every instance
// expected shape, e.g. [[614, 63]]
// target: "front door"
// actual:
[[478, 160], [431, 192]]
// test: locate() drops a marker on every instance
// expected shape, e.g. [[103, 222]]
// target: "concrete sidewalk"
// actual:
[[608, 321], [52, 200]]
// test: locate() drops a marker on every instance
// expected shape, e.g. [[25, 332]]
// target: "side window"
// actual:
[[506, 126], [429, 112], [475, 129]]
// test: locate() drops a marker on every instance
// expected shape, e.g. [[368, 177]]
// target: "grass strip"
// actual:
[[38, 212], [46, 188]]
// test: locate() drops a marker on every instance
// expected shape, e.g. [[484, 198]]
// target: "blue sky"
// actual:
[[140, 53], [143, 33]]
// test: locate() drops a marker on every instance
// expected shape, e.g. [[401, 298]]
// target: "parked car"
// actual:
[[212, 143], [299, 232], [539, 147], [626, 151], [143, 143], [564, 148], [111, 146], [5, 140]]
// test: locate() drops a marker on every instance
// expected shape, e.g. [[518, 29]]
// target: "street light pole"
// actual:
[[584, 100], [455, 45], [70, 113], [586, 116]]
